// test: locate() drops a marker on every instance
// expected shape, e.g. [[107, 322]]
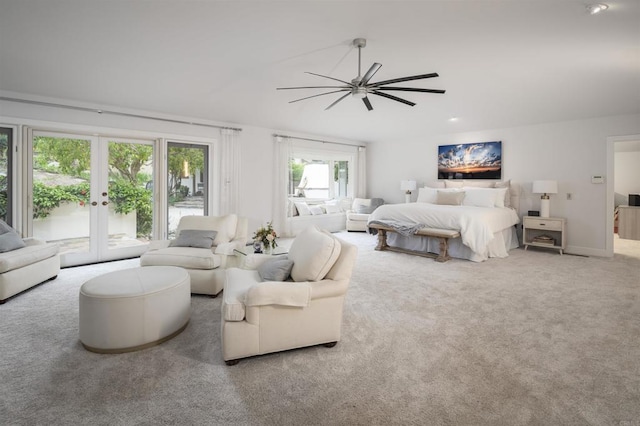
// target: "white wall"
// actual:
[[569, 152], [627, 176]]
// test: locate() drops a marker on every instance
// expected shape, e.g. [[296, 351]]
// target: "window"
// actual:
[[320, 176]]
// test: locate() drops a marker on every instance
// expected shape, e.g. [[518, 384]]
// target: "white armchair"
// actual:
[[260, 317], [205, 262], [361, 208]]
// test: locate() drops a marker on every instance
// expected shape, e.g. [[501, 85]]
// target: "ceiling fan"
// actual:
[[360, 87]]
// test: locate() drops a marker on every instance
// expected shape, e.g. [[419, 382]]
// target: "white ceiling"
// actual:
[[503, 63]]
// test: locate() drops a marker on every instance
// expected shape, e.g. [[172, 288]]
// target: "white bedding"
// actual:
[[477, 225]]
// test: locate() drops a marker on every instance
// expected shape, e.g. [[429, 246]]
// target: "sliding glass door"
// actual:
[[90, 195]]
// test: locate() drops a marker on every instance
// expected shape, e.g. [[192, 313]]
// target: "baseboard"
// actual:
[[587, 251]]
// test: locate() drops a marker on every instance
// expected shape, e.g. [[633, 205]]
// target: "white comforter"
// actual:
[[476, 224]]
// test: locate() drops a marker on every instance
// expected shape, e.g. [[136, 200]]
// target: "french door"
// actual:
[[91, 195]]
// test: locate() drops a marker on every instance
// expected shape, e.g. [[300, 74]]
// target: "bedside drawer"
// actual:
[[552, 225]]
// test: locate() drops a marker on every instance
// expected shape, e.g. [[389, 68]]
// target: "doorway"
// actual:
[[88, 194], [623, 159]]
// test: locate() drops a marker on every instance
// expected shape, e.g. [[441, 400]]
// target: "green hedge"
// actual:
[[125, 196]]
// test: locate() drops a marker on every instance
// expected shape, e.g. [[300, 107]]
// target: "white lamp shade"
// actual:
[[408, 185], [545, 187]]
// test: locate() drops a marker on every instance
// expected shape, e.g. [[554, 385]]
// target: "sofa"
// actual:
[[358, 215], [263, 311], [204, 246], [22, 268], [328, 215]]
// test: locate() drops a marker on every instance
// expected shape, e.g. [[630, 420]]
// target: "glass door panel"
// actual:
[[61, 194], [129, 216], [187, 182]]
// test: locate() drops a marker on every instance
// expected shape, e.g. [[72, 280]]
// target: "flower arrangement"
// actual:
[[267, 236]]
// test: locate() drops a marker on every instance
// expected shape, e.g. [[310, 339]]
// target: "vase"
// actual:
[[266, 249]]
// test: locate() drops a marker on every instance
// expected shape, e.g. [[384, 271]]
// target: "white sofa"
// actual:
[[206, 266], [328, 215], [26, 267], [260, 317], [358, 216]]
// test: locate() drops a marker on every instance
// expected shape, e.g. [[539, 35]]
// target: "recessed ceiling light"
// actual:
[[452, 119], [597, 8]]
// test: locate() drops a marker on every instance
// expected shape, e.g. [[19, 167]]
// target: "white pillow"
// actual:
[[427, 195], [502, 196], [314, 210], [507, 196], [303, 208], [480, 197], [332, 208], [313, 253]]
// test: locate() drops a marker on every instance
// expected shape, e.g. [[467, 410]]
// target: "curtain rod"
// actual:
[[123, 114], [275, 135]]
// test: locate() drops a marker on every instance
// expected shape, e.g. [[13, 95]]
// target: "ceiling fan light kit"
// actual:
[[360, 88]]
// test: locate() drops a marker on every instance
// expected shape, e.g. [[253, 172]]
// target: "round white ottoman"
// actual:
[[134, 309]]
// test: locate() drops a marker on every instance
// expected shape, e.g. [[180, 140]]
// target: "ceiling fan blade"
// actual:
[[315, 87], [331, 78], [374, 69], [395, 98], [411, 89], [367, 103], [321, 94], [339, 99], [401, 79]]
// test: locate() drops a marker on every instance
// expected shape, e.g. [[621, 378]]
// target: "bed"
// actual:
[[484, 217]]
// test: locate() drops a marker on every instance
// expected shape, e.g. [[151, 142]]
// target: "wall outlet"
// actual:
[[569, 196]]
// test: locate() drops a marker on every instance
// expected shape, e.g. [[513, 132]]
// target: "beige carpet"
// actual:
[[536, 338]]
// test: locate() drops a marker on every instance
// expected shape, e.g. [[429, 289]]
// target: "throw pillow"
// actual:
[[303, 208], [194, 238], [9, 238], [480, 197], [453, 198], [507, 195], [225, 226], [427, 195], [332, 208], [315, 210], [313, 253], [277, 269]]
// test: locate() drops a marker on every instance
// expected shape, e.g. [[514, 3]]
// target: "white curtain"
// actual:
[[229, 171], [361, 187], [281, 205]]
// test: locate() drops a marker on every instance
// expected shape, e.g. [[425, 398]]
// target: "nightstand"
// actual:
[[547, 232]]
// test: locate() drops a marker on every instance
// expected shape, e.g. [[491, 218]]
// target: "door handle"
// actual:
[[104, 194], [94, 203], [104, 203]]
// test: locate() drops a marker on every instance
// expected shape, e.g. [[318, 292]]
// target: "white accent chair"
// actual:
[[260, 317], [361, 208], [206, 266]]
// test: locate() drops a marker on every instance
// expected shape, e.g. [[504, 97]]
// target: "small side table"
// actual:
[[248, 259], [547, 232]]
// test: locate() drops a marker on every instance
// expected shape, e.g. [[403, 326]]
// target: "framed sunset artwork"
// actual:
[[480, 160]]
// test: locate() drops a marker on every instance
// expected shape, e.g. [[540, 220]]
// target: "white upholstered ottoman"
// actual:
[[134, 309]]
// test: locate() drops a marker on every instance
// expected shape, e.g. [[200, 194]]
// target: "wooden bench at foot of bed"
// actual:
[[442, 234]]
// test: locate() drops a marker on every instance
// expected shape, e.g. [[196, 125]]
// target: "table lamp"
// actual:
[[545, 187], [407, 186]]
